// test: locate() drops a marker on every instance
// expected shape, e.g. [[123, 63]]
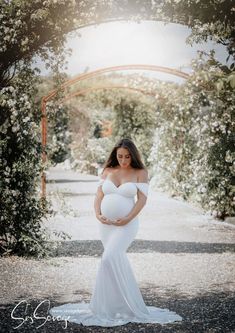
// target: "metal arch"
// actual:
[[85, 76]]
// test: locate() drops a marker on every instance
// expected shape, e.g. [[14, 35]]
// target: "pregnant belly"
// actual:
[[115, 206]]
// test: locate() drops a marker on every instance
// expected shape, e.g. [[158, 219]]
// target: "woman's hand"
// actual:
[[103, 219], [122, 221]]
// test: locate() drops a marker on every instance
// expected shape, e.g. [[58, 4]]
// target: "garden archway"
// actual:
[[40, 29], [85, 76]]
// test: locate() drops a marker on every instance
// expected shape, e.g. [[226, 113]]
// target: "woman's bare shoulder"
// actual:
[[142, 175], [106, 172]]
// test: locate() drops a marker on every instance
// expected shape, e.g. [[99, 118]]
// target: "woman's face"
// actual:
[[123, 157]]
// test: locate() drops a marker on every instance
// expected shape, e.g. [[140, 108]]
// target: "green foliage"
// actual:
[[193, 152], [59, 136], [91, 153], [89, 148], [209, 20], [129, 115], [37, 27], [97, 131], [27, 28], [21, 208], [135, 118]]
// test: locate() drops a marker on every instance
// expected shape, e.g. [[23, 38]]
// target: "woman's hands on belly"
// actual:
[[116, 208], [118, 222], [122, 221], [104, 219]]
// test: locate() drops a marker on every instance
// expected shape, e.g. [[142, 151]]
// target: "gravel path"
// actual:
[[182, 259]]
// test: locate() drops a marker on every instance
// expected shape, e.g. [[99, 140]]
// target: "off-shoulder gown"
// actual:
[[116, 298]]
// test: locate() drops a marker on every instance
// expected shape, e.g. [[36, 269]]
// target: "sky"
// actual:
[[126, 42]]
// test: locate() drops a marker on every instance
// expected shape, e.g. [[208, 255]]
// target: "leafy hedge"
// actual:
[[21, 207], [193, 153]]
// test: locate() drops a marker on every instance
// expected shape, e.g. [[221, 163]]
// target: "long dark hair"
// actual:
[[127, 143]]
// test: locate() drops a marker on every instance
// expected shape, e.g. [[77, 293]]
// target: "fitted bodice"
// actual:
[[128, 189], [118, 201]]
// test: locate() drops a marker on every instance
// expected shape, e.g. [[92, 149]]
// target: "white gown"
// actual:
[[116, 298]]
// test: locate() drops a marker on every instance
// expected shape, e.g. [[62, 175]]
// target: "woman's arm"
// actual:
[[140, 203], [97, 202], [98, 198]]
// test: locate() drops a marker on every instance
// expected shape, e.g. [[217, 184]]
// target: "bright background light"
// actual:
[[123, 43]]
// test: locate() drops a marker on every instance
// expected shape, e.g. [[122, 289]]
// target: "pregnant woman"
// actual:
[[116, 298]]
